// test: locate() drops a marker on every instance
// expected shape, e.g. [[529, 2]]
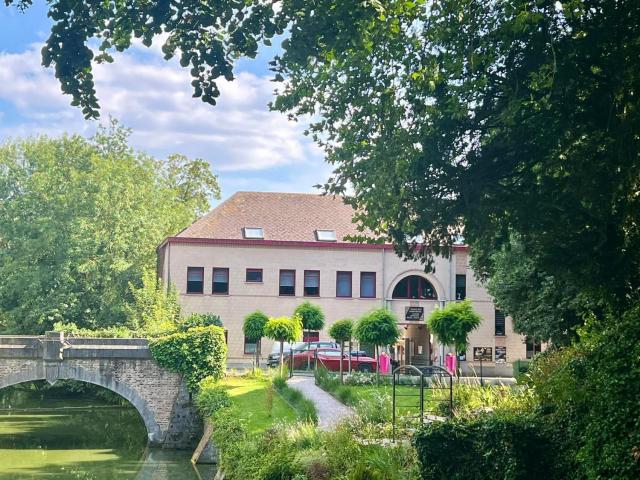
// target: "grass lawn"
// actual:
[[250, 396]]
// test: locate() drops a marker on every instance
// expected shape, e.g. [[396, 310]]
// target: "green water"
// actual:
[[60, 435]]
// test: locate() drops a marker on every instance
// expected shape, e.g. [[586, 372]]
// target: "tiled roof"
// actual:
[[282, 216]]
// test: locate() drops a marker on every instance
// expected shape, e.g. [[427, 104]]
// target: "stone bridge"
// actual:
[[124, 366]]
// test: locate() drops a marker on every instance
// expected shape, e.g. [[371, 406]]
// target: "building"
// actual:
[[272, 251]]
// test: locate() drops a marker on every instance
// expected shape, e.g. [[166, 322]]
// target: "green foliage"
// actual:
[[253, 327], [283, 329], [80, 220], [342, 330], [199, 320], [489, 447], [197, 353], [453, 323], [305, 408], [211, 397], [311, 316], [378, 327], [155, 308], [590, 393], [543, 306]]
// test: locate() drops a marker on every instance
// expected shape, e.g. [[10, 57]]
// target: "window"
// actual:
[[326, 235], [311, 283], [253, 232], [500, 323], [254, 275], [533, 347], [287, 282], [249, 346], [368, 284], [416, 287], [461, 287], [220, 281], [343, 284], [310, 336], [195, 279]]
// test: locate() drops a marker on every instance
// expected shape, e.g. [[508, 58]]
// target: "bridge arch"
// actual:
[[37, 372]]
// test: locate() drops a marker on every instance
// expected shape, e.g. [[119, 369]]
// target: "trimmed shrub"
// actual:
[[211, 397], [197, 353], [490, 447], [199, 320]]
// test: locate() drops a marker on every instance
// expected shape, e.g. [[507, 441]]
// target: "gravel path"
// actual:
[[330, 410]]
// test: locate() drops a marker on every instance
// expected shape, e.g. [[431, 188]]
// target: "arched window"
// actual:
[[416, 287]]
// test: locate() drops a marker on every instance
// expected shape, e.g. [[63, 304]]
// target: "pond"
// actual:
[[81, 433]]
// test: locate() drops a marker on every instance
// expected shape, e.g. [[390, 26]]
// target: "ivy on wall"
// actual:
[[197, 353]]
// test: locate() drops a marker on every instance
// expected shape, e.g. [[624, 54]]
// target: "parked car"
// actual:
[[274, 357], [330, 359]]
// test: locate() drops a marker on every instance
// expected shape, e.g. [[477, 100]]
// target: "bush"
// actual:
[[211, 397], [490, 447], [197, 353], [199, 320]]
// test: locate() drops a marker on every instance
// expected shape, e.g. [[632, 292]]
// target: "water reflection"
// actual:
[[50, 434]]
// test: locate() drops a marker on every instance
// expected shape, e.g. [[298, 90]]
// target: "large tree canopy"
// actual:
[[501, 117], [80, 221]]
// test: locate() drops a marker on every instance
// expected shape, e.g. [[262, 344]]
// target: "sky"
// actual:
[[248, 147]]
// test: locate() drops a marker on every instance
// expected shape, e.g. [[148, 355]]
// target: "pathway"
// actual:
[[330, 411]]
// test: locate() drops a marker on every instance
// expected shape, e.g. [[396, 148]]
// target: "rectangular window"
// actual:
[[249, 347], [254, 275], [326, 235], [253, 232], [533, 347], [368, 284], [461, 287], [343, 284], [500, 323], [311, 283], [311, 336], [287, 282], [195, 279], [220, 281]]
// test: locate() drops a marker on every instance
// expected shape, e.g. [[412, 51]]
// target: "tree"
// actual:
[[542, 306], [80, 220], [342, 331], [155, 308], [254, 329], [452, 324], [501, 117], [283, 329], [312, 319], [378, 327]]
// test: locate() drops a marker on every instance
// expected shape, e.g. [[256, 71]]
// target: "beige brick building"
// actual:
[[272, 251]]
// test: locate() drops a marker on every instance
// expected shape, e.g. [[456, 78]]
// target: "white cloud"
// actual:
[[153, 97]]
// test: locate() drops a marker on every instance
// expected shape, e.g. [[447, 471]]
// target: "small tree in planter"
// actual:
[[342, 331], [378, 327], [312, 318], [283, 329], [253, 329], [452, 324]]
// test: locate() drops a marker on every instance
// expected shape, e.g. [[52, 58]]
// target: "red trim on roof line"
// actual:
[[278, 243], [289, 243]]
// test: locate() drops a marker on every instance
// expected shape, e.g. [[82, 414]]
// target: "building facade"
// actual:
[[273, 251]]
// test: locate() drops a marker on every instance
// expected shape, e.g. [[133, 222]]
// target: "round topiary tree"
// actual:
[[378, 327], [253, 329], [342, 331], [283, 329], [312, 318], [452, 324]]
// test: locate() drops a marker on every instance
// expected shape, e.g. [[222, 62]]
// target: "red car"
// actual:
[[330, 359]]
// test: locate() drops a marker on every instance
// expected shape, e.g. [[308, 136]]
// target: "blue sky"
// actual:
[[249, 147]]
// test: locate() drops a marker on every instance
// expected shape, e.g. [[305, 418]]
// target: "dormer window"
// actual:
[[255, 233], [326, 235]]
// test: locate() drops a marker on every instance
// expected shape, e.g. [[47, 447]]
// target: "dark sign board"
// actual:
[[501, 354], [414, 314], [482, 353]]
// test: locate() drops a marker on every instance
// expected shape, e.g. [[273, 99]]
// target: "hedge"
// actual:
[[490, 447]]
